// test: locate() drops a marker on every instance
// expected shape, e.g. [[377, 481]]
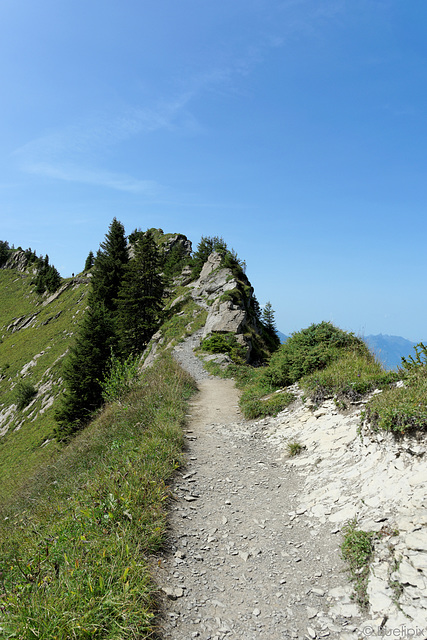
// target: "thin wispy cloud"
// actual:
[[70, 153], [108, 179], [103, 130], [77, 152]]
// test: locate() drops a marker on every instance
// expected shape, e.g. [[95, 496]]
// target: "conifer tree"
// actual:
[[270, 323], [204, 249], [47, 278], [140, 297], [268, 317], [97, 335], [84, 370], [108, 268], [4, 251], [89, 261]]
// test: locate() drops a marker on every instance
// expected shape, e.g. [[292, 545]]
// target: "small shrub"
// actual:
[[24, 393], [412, 366], [121, 377], [357, 550], [294, 448], [234, 296], [224, 343]]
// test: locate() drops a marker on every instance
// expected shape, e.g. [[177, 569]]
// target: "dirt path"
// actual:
[[242, 562]]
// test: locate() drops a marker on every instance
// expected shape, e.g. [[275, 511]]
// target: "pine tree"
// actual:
[[83, 371], [268, 317], [4, 251], [109, 266], [204, 249], [89, 261], [47, 278], [140, 297], [97, 335], [270, 323]]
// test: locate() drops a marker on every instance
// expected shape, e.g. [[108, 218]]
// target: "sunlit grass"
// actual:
[[356, 550], [74, 551], [402, 409], [349, 377], [32, 356]]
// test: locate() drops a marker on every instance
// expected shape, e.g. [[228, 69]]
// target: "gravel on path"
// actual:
[[184, 354], [241, 560]]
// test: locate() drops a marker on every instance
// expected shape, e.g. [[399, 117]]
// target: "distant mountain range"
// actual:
[[388, 349]]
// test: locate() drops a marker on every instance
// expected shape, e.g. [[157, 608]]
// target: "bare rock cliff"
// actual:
[[223, 298]]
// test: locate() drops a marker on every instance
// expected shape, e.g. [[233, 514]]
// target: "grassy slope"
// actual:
[[74, 562], [96, 506], [42, 346]]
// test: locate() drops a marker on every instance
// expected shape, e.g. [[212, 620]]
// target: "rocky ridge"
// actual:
[[224, 314]]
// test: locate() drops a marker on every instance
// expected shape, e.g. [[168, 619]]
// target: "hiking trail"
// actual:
[[242, 561]]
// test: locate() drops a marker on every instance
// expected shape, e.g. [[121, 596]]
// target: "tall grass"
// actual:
[[357, 549], [74, 550], [349, 377], [403, 409]]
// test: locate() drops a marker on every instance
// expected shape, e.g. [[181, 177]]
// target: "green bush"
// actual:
[[350, 376], [224, 343], [309, 350], [121, 377], [24, 392], [414, 367], [234, 296], [218, 343]]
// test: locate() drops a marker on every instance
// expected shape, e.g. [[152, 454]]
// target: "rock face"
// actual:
[[213, 282], [219, 293], [178, 240], [376, 479], [18, 261]]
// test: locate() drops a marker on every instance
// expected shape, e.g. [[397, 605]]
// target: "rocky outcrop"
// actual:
[[375, 479], [178, 240], [223, 295], [18, 261], [23, 322], [220, 292], [208, 290]]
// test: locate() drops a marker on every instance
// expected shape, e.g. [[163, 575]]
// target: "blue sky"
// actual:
[[295, 129]]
